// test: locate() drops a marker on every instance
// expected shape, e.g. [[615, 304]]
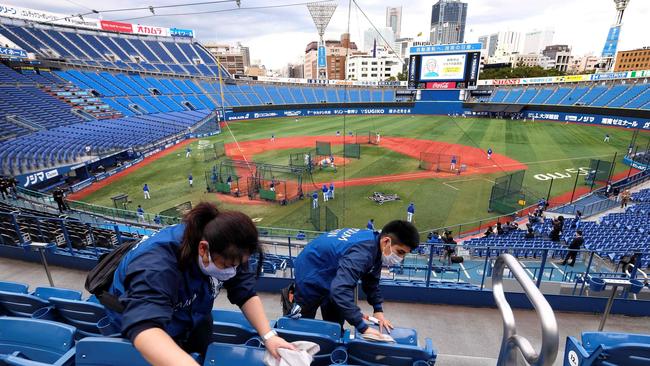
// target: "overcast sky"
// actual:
[[278, 36]]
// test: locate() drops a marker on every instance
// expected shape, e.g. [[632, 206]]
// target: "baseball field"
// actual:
[[544, 150]]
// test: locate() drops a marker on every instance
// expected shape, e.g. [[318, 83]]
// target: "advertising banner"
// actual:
[[414, 72], [627, 122], [446, 48], [177, 32], [111, 26], [13, 52], [443, 67], [441, 85], [237, 116], [45, 16], [612, 41], [322, 59], [151, 30]]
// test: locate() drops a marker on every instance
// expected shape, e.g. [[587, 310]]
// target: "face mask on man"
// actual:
[[392, 259], [215, 272]]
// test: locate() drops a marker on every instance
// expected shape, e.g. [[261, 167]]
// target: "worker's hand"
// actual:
[[384, 324], [276, 342]]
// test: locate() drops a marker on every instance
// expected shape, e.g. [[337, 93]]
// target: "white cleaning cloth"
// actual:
[[303, 356]]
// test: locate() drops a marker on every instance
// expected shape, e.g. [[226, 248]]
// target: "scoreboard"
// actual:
[[454, 66]]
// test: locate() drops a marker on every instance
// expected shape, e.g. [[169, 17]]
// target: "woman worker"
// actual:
[[167, 284]]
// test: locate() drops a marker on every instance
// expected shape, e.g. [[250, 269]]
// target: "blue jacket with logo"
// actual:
[[332, 265], [155, 292]]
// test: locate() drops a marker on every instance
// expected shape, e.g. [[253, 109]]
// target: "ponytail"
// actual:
[[232, 235]]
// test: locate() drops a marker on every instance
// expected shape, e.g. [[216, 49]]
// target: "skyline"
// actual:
[[279, 36]]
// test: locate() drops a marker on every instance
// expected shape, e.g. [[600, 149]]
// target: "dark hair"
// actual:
[[403, 232], [230, 234], [579, 232]]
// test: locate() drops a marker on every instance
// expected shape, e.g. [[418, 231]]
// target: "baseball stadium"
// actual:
[[442, 197]]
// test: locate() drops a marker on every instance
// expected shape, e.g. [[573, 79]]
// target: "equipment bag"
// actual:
[[100, 278], [287, 299]]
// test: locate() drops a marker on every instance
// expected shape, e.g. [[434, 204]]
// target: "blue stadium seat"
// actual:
[[26, 341], [220, 354], [21, 305], [608, 349], [84, 315], [231, 327], [93, 351], [13, 287], [326, 334], [361, 352], [46, 293]]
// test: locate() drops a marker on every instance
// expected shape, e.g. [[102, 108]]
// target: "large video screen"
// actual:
[[443, 67], [444, 70]]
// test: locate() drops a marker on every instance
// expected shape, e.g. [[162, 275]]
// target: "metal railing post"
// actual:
[[541, 268], [430, 266], [485, 265], [591, 258], [511, 341]]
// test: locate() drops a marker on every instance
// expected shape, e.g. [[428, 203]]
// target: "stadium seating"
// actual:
[[608, 349], [636, 96], [26, 341]]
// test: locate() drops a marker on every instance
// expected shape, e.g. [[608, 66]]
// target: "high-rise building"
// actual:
[[296, 71], [501, 46], [382, 66], [246, 52], [233, 58], [586, 63], [561, 54], [638, 59], [336, 53], [489, 43], [537, 40], [448, 19], [394, 20], [371, 35]]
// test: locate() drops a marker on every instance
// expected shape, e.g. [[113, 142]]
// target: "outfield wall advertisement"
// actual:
[[643, 124], [236, 116], [569, 78]]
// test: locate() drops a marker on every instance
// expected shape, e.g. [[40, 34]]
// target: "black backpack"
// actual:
[[100, 278]]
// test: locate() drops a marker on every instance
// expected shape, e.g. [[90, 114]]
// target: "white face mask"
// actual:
[[215, 272], [390, 260]]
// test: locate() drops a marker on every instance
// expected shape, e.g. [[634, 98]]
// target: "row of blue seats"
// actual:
[[52, 306], [116, 51], [596, 95], [67, 144]]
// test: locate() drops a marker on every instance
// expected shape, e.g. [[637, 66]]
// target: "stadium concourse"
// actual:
[[88, 101]]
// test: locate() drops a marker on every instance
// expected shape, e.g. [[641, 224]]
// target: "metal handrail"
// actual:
[[511, 340], [638, 270]]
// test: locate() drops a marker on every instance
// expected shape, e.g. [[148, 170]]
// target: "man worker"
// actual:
[[329, 268], [410, 211], [575, 245]]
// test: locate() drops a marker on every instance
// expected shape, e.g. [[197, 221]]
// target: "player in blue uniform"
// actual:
[[328, 269], [166, 285], [489, 153], [410, 211]]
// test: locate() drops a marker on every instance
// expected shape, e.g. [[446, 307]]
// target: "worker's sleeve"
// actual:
[[241, 287], [354, 264], [370, 286], [151, 288]]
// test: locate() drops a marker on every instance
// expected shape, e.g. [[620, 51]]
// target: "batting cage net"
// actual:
[[331, 220], [352, 151], [323, 148], [440, 162], [314, 216], [507, 194], [302, 160], [599, 171]]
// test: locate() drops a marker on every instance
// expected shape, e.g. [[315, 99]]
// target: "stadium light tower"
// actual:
[[609, 51], [321, 13]]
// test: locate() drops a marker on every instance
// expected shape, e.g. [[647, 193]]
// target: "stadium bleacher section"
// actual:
[[612, 95]]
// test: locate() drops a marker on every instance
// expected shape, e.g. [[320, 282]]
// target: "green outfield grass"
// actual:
[[546, 147]]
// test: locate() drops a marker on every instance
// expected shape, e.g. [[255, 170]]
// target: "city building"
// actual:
[[448, 19], [296, 71], [365, 67], [638, 59], [335, 51], [532, 60], [560, 54], [257, 69], [394, 20], [236, 59], [584, 64], [402, 47], [537, 40], [371, 35], [501, 46]]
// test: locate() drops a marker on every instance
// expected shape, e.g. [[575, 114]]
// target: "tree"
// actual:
[[402, 76], [519, 71]]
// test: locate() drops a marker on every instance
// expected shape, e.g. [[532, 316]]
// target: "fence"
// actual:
[[323, 148], [314, 216], [352, 151], [507, 195], [440, 162], [331, 220]]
